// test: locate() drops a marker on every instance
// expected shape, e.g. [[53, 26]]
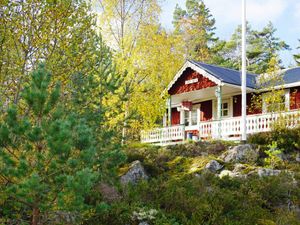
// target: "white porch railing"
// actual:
[[255, 123], [224, 129], [163, 135]]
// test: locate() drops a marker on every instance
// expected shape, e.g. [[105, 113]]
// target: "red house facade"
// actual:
[[205, 103]]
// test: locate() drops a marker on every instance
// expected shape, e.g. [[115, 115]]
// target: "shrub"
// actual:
[[286, 139]]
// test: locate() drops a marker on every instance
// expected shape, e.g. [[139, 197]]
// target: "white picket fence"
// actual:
[[225, 129]]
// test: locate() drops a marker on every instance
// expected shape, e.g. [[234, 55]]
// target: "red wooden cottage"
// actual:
[[205, 103]]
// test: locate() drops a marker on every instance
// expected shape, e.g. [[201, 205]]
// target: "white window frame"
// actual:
[[228, 108]]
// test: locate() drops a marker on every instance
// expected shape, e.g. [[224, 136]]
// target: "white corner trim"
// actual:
[[238, 86], [287, 99], [294, 84]]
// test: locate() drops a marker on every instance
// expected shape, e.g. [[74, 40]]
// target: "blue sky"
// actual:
[[284, 14]]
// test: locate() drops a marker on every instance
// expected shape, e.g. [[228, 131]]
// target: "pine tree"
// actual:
[[261, 47], [95, 95], [196, 26], [49, 159], [297, 57]]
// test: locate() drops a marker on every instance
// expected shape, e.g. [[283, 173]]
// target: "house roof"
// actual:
[[291, 75], [226, 75], [229, 76]]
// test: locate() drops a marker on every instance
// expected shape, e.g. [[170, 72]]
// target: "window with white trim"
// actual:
[[194, 115], [186, 118], [191, 117], [225, 108]]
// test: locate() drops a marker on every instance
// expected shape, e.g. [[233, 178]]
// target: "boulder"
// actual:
[[234, 173], [213, 166], [108, 192], [63, 217], [240, 154], [265, 172], [298, 157], [238, 168], [143, 223], [135, 173], [225, 173]]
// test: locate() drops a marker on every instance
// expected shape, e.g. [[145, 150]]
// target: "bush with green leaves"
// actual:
[[207, 199], [181, 196], [287, 139], [273, 160]]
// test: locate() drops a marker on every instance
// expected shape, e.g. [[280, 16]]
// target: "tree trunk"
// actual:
[[35, 216]]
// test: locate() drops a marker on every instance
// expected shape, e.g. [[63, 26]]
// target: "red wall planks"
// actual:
[[295, 98], [175, 119], [206, 110], [180, 85], [237, 104]]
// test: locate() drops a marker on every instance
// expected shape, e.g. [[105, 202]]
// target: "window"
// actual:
[[194, 116], [186, 118], [225, 109], [191, 117]]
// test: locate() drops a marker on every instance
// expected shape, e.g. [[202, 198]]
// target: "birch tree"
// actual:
[[58, 32], [132, 29]]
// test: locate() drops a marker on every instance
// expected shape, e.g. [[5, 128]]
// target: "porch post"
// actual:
[[181, 117], [169, 111], [287, 99], [165, 122], [219, 108]]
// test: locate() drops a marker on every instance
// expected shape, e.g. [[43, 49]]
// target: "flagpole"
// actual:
[[244, 69]]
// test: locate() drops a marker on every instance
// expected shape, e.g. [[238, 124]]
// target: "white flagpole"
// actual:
[[244, 69]]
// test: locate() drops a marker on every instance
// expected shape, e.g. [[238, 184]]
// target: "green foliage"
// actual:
[[95, 95], [209, 200], [262, 45], [180, 196], [271, 95], [195, 26], [145, 75], [286, 139], [59, 32], [49, 159], [297, 57], [273, 159]]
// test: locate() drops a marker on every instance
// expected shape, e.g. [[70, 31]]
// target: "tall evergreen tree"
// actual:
[[297, 57], [49, 159], [95, 95], [196, 26], [261, 48]]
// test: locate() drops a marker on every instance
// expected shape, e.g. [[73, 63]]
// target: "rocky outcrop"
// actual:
[[225, 173], [108, 192], [298, 157], [60, 217], [240, 154], [265, 172], [135, 173], [144, 223], [238, 168], [231, 174], [213, 166]]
